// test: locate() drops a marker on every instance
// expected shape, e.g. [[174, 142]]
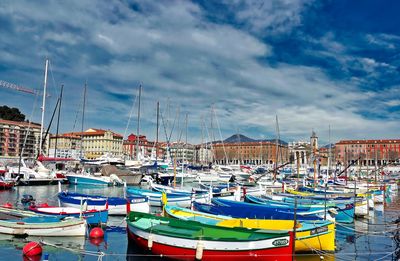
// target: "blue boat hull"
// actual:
[[248, 210], [76, 180], [345, 211]]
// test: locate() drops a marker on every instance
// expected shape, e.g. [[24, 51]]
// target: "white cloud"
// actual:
[[177, 53]]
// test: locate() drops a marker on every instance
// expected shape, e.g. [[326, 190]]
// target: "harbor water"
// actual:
[[375, 238]]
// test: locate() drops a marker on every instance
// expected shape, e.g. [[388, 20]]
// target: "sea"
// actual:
[[375, 238]]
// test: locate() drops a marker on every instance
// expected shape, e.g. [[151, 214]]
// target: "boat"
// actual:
[[92, 216], [190, 240], [93, 175], [26, 223], [4, 185], [123, 173], [30, 173], [248, 210], [115, 205], [310, 235], [182, 199], [345, 212]]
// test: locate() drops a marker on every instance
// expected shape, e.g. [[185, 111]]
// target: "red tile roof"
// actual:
[[384, 141], [20, 123]]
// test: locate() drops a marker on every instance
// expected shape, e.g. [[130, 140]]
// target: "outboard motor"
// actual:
[[27, 199]]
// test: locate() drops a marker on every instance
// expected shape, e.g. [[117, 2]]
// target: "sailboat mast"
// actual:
[[83, 116], [58, 120], [43, 106], [138, 124], [276, 147], [158, 113]]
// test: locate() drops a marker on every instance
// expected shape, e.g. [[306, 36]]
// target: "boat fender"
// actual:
[[150, 242], [32, 249], [199, 250], [7, 205], [96, 232], [128, 206]]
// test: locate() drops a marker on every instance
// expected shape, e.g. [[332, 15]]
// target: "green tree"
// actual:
[[12, 114]]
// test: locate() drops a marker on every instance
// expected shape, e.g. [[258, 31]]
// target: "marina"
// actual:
[[369, 238], [200, 130]]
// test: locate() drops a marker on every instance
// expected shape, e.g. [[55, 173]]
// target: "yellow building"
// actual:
[[95, 142]]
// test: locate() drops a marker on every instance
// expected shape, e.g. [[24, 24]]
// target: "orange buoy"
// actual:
[[32, 249], [96, 232], [7, 205]]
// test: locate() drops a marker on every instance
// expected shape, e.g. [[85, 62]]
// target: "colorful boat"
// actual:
[[92, 216], [248, 210], [189, 240], [310, 235], [115, 205], [14, 222], [176, 198], [345, 211], [80, 179]]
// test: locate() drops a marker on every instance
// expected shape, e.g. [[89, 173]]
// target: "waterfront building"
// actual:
[[94, 143], [367, 152], [12, 137], [300, 152], [182, 152], [146, 148], [67, 145], [203, 154], [252, 152]]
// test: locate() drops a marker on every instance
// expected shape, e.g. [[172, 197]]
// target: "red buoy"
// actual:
[[7, 205], [96, 241], [32, 249], [96, 232]]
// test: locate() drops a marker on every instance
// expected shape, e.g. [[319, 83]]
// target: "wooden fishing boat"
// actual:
[[310, 235], [43, 226], [249, 210], [345, 211], [115, 205], [189, 240], [92, 216], [177, 198]]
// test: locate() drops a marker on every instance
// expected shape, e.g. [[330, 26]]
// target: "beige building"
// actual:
[[66, 145], [95, 142], [12, 137], [368, 152], [257, 152]]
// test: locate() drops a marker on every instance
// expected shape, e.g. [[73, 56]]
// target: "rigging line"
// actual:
[[29, 126], [130, 115], [54, 82], [164, 127], [220, 135], [173, 124], [76, 116]]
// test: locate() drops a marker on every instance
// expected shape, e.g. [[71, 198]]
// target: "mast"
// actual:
[[276, 147], [158, 113], [58, 120], [83, 116], [43, 106], [138, 124]]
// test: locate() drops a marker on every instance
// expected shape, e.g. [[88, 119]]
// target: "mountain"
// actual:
[[238, 138], [242, 138]]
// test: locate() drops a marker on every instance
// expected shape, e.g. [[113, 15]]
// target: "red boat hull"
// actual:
[[178, 253], [6, 185]]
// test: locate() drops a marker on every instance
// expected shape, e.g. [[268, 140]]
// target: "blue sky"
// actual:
[[312, 63]]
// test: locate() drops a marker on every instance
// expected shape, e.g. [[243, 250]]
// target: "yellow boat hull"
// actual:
[[307, 240]]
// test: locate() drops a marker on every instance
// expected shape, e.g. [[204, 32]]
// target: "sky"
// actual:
[[230, 66]]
